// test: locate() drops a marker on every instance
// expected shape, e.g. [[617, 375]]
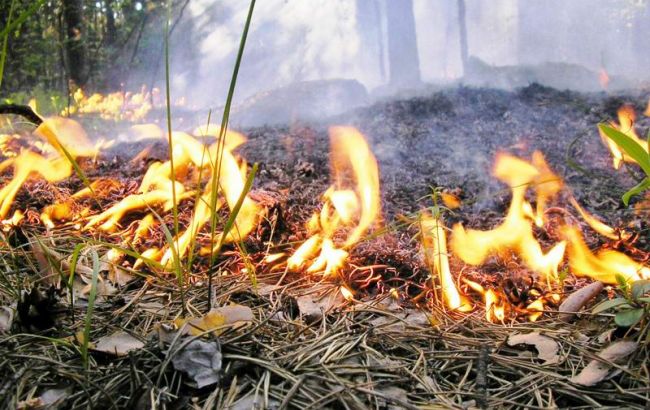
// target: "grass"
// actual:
[[216, 173]]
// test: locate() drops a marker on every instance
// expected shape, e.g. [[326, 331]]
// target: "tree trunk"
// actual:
[[75, 50], [110, 23], [403, 60], [369, 26], [462, 35]]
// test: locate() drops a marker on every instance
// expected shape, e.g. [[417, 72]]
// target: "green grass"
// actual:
[[214, 253]]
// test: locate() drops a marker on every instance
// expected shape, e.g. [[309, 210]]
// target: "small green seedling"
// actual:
[[632, 306]]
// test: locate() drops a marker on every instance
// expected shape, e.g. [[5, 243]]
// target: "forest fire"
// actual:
[[355, 207], [350, 209]]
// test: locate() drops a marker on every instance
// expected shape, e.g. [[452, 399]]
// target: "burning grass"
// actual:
[[409, 303]]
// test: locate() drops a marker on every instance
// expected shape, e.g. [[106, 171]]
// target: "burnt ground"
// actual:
[[355, 357]]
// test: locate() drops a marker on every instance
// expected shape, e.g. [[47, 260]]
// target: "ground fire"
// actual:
[[349, 211]]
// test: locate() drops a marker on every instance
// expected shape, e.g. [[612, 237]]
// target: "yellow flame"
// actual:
[[597, 225], [515, 233], [602, 266], [351, 202], [626, 118], [434, 242]]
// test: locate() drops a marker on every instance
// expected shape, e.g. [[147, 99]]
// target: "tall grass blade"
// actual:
[[169, 119], [5, 42], [627, 144], [221, 146], [92, 295]]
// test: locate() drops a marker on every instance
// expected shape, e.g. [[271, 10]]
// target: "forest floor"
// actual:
[[304, 345]]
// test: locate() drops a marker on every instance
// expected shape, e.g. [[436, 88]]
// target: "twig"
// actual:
[[24, 111]]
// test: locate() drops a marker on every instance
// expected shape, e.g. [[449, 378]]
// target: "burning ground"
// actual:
[[328, 301]]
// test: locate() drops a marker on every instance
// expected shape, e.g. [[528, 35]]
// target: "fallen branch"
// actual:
[[24, 111]]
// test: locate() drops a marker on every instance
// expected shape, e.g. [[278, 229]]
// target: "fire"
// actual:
[[352, 202], [434, 242], [515, 234], [114, 106], [603, 78], [626, 119], [603, 266], [61, 136], [495, 308]]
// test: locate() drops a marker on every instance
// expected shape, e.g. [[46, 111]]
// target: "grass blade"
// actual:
[[221, 146], [627, 144], [91, 307]]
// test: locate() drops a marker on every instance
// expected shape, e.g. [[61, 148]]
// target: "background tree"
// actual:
[[403, 59], [75, 49]]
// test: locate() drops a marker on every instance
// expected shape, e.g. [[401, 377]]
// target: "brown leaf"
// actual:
[[597, 370], [6, 318], [547, 348], [118, 344], [578, 299]]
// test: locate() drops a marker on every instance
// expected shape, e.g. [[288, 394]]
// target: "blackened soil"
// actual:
[[449, 140]]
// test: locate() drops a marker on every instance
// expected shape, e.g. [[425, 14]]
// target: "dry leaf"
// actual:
[[216, 320], [313, 309], [254, 402], [578, 299], [597, 370], [49, 399], [118, 344], [547, 348], [200, 360], [399, 322], [6, 318]]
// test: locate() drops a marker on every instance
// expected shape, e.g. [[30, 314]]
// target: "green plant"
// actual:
[[635, 151], [632, 306], [216, 174]]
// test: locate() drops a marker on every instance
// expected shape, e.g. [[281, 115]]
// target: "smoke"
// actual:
[[511, 43]]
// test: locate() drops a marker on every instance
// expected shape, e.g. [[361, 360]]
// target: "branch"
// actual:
[[24, 111]]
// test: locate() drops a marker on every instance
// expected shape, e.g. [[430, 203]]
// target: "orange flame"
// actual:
[[356, 208], [603, 78]]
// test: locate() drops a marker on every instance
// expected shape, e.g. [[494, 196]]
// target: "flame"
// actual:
[[604, 265], [603, 78], [434, 242], [597, 225], [114, 106], [62, 136], [495, 308], [626, 118], [347, 293], [354, 207], [515, 233]]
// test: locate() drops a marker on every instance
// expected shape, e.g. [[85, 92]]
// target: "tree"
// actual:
[[75, 49], [462, 34], [403, 60]]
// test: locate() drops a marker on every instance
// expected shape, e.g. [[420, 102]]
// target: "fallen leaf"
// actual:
[[547, 348], [254, 402], [201, 360], [118, 344], [399, 322], [399, 396], [6, 318], [49, 399], [578, 299], [216, 320], [598, 370]]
